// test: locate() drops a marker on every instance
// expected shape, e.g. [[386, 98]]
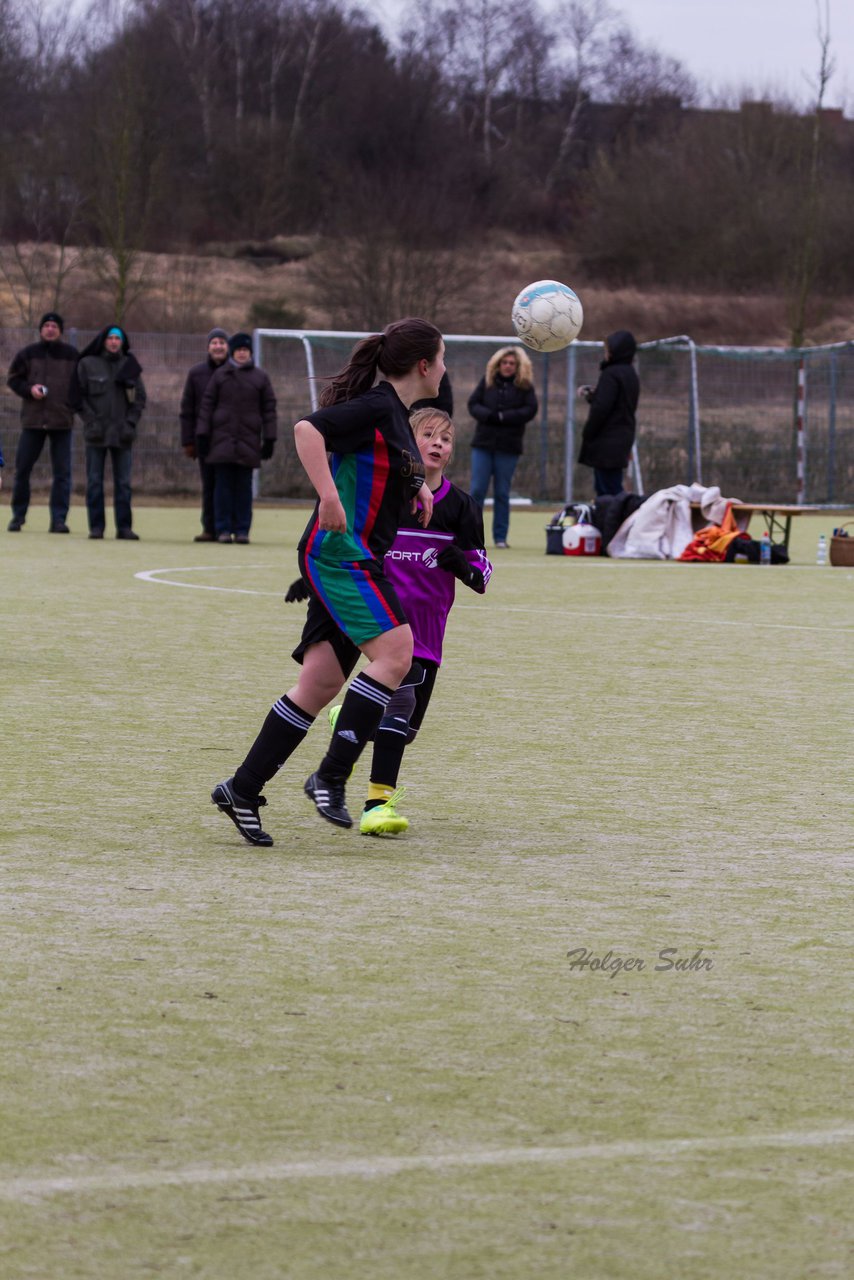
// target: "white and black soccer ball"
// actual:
[[547, 315]]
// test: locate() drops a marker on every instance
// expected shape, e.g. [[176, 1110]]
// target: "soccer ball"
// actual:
[[547, 316]]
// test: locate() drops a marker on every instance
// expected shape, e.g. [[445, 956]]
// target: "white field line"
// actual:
[[694, 620], [152, 575], [23, 1188]]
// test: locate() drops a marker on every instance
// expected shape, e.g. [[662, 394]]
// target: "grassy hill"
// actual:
[[306, 282]]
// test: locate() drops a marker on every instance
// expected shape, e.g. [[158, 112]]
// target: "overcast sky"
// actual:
[[767, 45]]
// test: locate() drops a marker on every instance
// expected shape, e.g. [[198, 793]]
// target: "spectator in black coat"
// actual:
[[44, 376], [236, 428], [191, 404], [609, 432], [112, 400], [502, 403]]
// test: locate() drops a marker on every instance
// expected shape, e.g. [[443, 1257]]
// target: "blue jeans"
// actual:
[[30, 446], [608, 480], [489, 464], [96, 458], [232, 498]]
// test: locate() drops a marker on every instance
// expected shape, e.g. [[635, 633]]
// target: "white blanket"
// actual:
[[661, 529]]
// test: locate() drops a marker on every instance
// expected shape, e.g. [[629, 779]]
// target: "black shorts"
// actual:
[[371, 585], [319, 627], [356, 594]]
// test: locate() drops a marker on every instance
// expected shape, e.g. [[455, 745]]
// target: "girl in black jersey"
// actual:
[[362, 459], [424, 566]]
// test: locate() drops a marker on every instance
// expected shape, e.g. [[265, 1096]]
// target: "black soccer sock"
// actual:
[[389, 742], [361, 712], [392, 736], [281, 733]]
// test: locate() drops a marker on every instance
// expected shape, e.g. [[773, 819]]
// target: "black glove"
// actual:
[[297, 591], [267, 449], [203, 444], [454, 560]]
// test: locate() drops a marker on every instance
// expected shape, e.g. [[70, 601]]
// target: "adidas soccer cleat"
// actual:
[[383, 819], [329, 798], [243, 813]]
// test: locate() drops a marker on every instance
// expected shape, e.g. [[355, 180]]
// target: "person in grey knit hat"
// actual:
[[191, 402]]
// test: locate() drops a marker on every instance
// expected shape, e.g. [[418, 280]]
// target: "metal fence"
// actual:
[[733, 417]]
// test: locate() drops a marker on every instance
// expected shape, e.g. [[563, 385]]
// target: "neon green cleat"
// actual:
[[383, 819]]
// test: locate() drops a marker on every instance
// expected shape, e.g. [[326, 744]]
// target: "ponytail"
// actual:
[[358, 375], [393, 352]]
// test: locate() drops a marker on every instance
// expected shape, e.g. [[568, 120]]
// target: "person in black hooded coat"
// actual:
[[609, 432], [112, 396]]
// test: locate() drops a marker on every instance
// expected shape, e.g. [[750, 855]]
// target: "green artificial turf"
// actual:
[[344, 1057]]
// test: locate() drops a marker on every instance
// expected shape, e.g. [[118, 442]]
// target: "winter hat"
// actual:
[[115, 332], [239, 340], [52, 315], [217, 333]]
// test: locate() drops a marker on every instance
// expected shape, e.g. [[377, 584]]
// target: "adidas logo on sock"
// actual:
[[348, 735]]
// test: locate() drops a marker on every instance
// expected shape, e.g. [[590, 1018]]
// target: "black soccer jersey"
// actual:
[[377, 469]]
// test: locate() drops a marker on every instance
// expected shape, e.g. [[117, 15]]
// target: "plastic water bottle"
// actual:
[[765, 549], [821, 553]]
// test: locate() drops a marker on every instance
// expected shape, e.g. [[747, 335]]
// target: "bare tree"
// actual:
[[583, 26], [476, 42], [41, 38], [37, 269], [389, 266], [199, 42], [808, 251], [125, 157]]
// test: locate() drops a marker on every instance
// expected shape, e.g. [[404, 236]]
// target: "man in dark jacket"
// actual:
[[236, 429], [191, 404], [112, 400], [43, 375], [609, 432]]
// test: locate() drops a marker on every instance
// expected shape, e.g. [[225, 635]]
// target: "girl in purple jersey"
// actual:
[[359, 453], [423, 566]]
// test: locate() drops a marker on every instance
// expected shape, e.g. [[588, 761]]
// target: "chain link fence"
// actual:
[[727, 416]]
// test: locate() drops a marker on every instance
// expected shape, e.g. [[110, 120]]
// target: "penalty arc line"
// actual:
[[150, 575], [24, 1188]]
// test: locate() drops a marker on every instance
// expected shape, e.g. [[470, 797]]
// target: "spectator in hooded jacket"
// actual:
[[503, 403], [112, 400], [191, 404], [609, 432], [236, 429], [43, 375]]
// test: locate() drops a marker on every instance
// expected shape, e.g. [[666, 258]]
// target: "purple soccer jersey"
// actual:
[[427, 591]]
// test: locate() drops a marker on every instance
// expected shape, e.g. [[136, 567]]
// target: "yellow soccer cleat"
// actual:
[[383, 819]]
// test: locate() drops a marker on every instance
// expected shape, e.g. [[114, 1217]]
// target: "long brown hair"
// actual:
[[393, 352]]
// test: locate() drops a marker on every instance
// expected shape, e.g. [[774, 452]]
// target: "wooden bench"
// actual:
[[778, 519]]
